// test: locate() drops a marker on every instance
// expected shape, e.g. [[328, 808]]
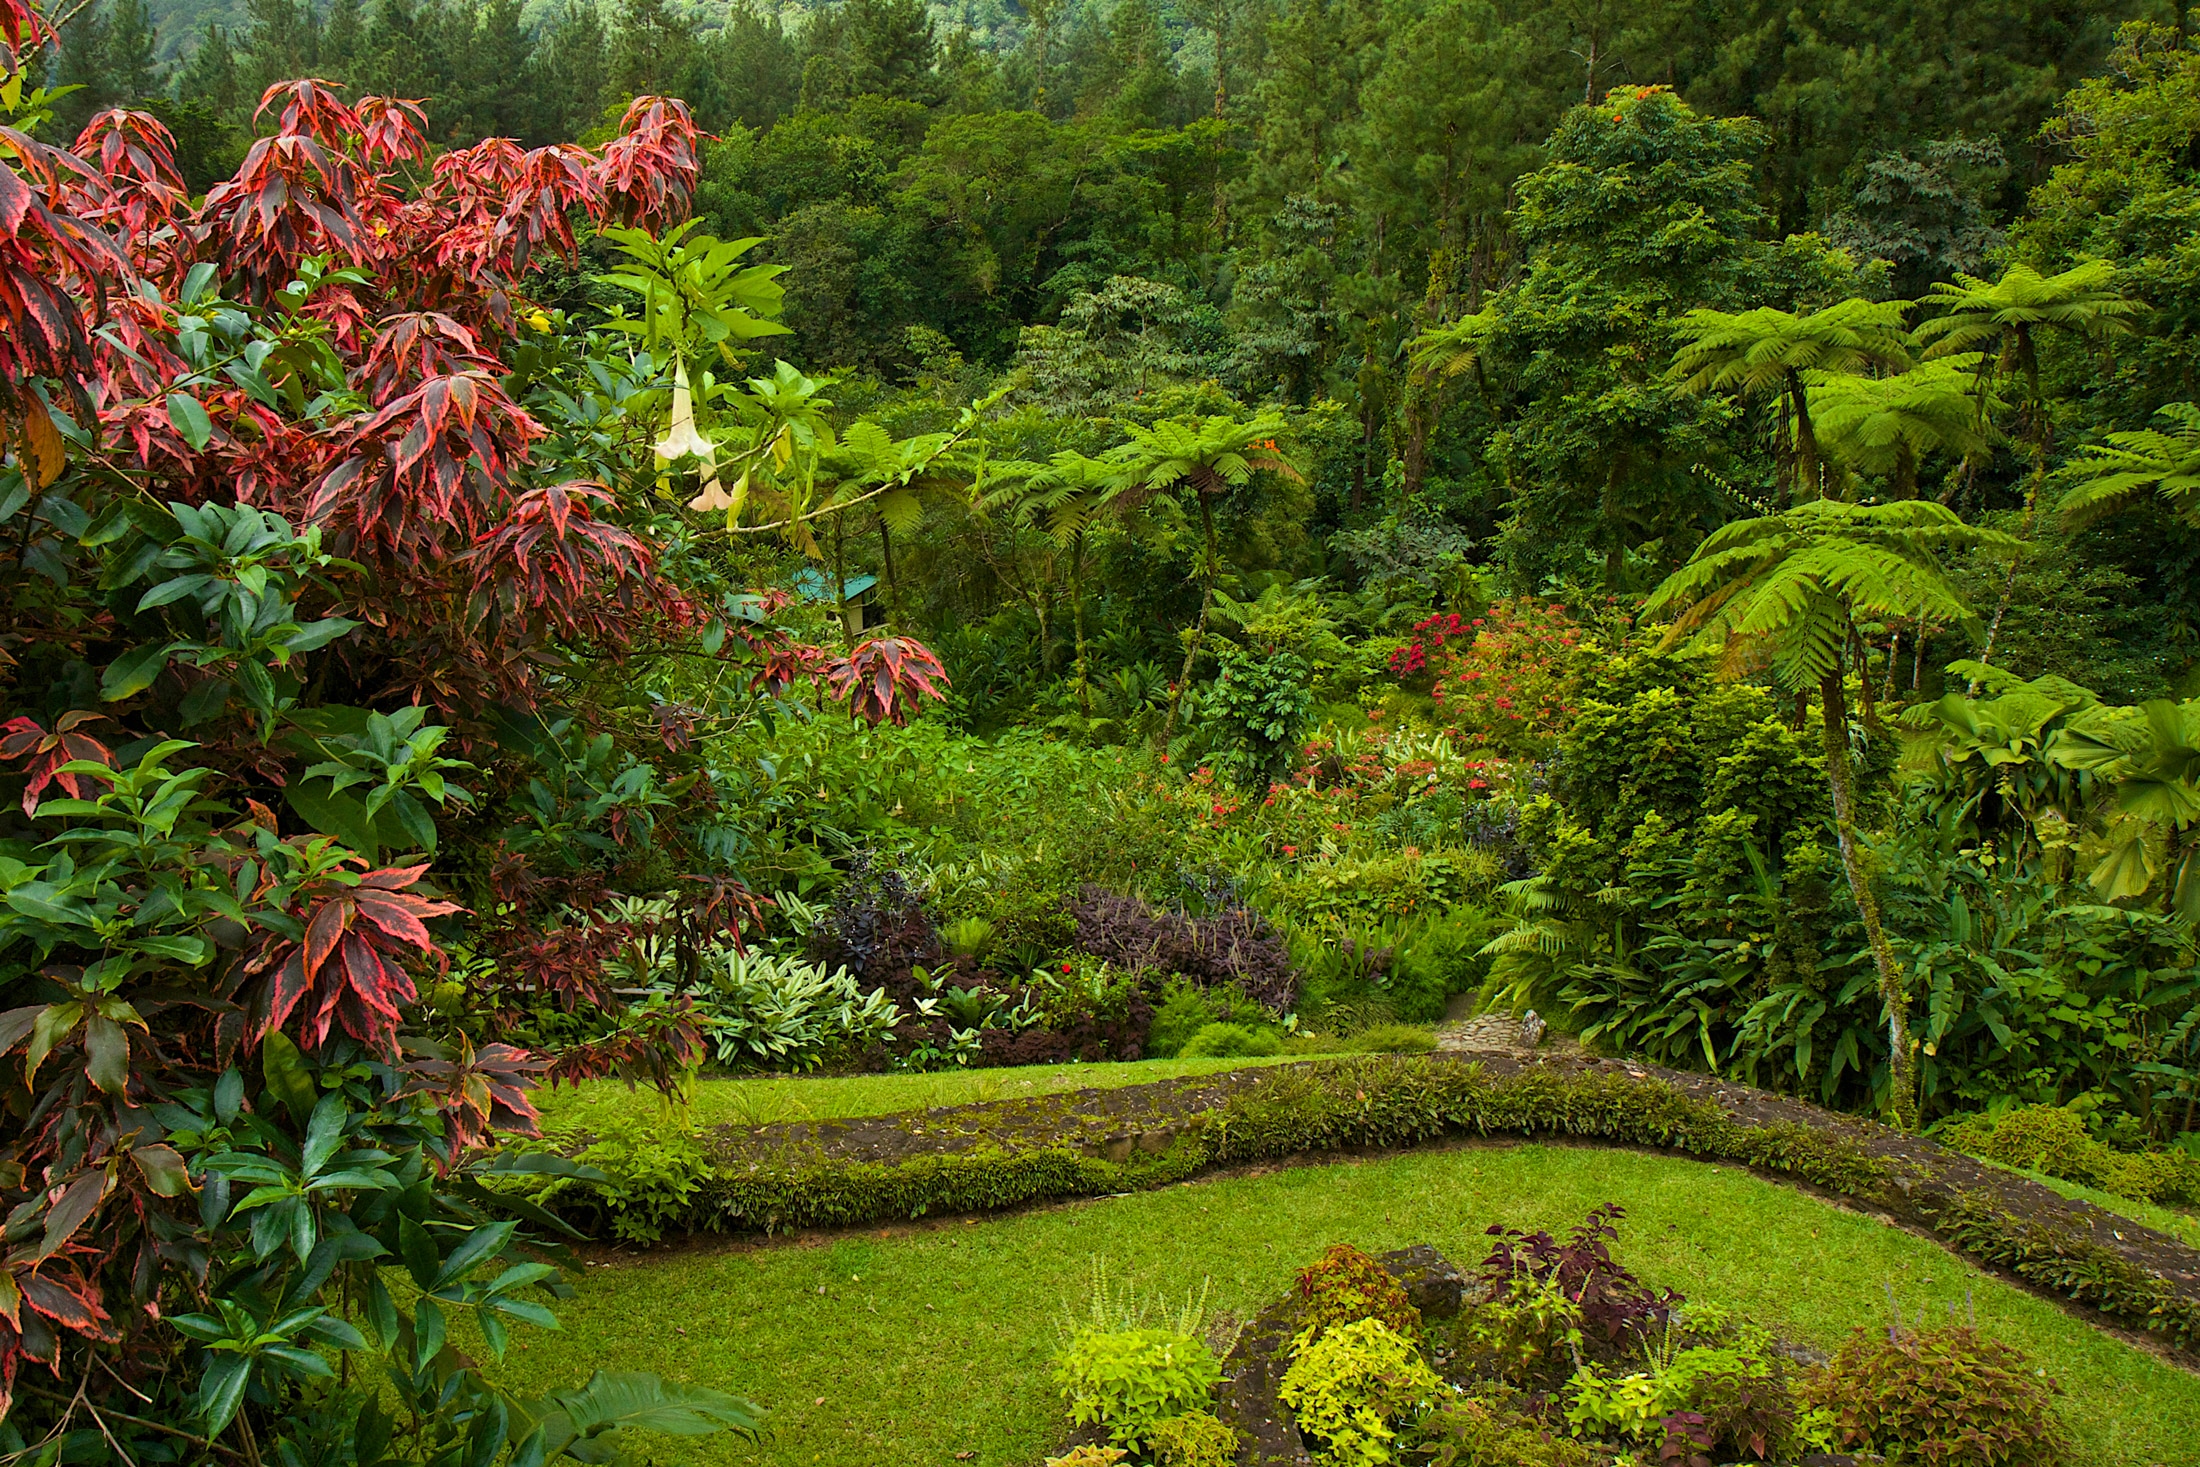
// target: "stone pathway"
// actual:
[[1500, 1033]]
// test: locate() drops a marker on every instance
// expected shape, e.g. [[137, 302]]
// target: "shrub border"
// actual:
[[781, 1179]]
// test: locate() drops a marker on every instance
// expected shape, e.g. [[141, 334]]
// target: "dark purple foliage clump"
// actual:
[[877, 929], [1617, 1309], [1236, 945]]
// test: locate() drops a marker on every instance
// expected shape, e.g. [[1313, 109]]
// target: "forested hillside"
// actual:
[[598, 543]]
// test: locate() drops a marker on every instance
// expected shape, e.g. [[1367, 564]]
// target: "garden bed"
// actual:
[[864, 1170], [914, 1342]]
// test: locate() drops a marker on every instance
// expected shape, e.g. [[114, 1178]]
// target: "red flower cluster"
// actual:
[[1430, 633]]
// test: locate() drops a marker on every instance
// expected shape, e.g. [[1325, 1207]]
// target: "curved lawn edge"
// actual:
[[988, 1157]]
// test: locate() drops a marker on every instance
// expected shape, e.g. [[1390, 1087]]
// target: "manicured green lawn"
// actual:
[[766, 1099], [913, 1345]]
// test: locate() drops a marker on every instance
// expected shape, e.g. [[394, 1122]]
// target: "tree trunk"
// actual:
[[1810, 482], [893, 586], [1415, 457], [840, 582], [1894, 993], [1199, 628], [2039, 435], [1077, 614], [2024, 532]]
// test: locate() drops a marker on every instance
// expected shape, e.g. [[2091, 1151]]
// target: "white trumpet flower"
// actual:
[[683, 440]]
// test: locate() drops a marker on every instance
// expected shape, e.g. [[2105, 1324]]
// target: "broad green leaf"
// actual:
[[287, 1074], [190, 420], [133, 672]]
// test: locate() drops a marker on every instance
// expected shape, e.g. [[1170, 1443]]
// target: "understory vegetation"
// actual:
[[648, 554]]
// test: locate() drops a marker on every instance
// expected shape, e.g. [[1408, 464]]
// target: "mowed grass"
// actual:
[[930, 1344], [767, 1099]]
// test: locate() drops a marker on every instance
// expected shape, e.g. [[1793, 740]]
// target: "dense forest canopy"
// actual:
[[555, 542]]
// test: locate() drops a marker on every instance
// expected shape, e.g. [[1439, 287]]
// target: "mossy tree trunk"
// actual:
[[1894, 992]]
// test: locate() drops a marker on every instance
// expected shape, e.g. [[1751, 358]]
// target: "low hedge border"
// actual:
[[788, 1178]]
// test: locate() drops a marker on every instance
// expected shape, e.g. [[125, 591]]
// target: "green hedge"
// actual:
[[680, 1183], [665, 1184]]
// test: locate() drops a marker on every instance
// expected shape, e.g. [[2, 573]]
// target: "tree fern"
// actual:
[[1786, 590], [2108, 478]]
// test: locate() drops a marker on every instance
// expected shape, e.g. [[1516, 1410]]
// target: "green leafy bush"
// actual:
[[1945, 1395], [2053, 1140], [1528, 1331], [1130, 1381], [1349, 1387], [1185, 1009], [1089, 1454], [1480, 1433], [1345, 1286], [777, 1012], [1742, 1398], [1387, 1039], [1183, 1012], [1231, 1041], [646, 1177], [1195, 1439]]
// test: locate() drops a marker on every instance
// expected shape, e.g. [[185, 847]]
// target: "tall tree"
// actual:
[[2003, 320], [572, 57], [1790, 589], [1644, 210], [1210, 457], [1889, 425], [653, 49]]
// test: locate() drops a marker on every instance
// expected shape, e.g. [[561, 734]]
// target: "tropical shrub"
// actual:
[[2054, 1140], [1507, 679], [1345, 1285], [1195, 1439], [1131, 1381], [1616, 1310], [1482, 1433], [1230, 1041], [783, 1013], [1234, 947], [298, 471], [1941, 1395], [1349, 1389]]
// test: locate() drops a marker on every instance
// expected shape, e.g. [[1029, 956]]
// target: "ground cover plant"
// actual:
[[906, 1377]]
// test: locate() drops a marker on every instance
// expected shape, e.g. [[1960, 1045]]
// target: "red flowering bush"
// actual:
[[1510, 685]]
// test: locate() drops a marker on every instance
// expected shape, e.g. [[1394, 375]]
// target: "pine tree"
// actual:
[[653, 49], [343, 39], [132, 72], [568, 69], [757, 64], [211, 78]]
